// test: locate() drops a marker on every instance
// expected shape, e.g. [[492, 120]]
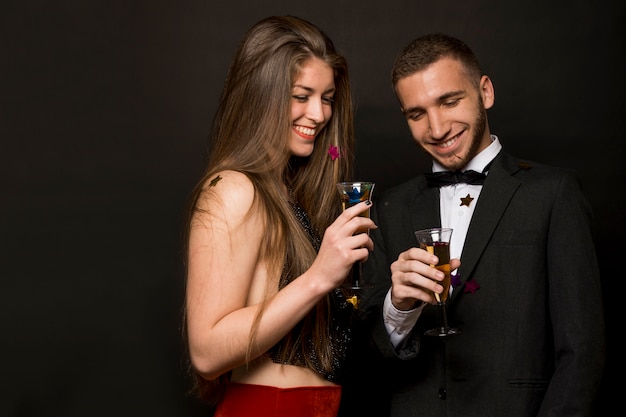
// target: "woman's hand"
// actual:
[[343, 244]]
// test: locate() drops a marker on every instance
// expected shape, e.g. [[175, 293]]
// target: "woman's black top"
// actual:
[[341, 313]]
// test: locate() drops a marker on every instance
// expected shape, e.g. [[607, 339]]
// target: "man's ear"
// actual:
[[487, 92]]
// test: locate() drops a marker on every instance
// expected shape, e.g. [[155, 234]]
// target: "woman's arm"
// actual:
[[226, 279]]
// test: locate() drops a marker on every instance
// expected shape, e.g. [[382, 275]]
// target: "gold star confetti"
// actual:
[[465, 201], [354, 300], [214, 181]]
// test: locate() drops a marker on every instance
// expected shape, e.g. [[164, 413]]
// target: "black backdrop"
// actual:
[[105, 110]]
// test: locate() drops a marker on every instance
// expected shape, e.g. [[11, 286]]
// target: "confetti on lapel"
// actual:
[[471, 286]]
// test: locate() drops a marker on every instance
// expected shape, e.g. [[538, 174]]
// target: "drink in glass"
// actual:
[[437, 241], [352, 193]]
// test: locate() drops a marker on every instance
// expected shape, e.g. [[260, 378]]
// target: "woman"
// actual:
[[267, 327]]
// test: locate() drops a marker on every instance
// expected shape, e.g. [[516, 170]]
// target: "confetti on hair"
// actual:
[[333, 151]]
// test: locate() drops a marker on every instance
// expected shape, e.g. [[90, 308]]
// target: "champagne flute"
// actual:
[[437, 242], [352, 193]]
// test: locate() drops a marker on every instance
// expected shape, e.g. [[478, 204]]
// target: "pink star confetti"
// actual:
[[471, 286], [333, 151]]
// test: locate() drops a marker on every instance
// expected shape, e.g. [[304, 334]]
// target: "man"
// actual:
[[527, 293]]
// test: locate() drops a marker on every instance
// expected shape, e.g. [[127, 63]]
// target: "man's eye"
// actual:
[[451, 103]]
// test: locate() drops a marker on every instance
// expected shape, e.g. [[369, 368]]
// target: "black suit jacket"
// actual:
[[532, 341]]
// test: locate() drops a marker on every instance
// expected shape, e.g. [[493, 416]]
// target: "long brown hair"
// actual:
[[250, 135]]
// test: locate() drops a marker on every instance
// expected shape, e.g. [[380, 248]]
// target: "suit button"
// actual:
[[442, 393]]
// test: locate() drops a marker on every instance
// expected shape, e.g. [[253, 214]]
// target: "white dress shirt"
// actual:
[[455, 215]]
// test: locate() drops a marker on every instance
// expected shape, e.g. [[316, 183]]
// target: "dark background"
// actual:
[[105, 111]]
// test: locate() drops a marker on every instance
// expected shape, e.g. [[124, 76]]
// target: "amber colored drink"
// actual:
[[442, 251], [436, 240]]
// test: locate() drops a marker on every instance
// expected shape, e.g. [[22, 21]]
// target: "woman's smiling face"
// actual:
[[311, 105]]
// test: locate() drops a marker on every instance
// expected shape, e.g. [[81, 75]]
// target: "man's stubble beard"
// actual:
[[481, 125]]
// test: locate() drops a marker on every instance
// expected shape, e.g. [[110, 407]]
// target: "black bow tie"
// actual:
[[443, 178]]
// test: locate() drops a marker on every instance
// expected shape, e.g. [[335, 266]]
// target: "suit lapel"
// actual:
[[499, 188], [424, 208]]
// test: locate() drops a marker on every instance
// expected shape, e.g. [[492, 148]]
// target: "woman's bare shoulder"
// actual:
[[231, 191]]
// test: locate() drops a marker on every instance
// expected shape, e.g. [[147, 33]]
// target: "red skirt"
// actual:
[[266, 401]]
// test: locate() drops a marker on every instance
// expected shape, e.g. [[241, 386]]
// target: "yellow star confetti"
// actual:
[[354, 300]]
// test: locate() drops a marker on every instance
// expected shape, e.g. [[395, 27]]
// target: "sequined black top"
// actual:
[[340, 321]]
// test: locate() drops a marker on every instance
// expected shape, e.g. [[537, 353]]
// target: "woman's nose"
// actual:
[[315, 111]]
